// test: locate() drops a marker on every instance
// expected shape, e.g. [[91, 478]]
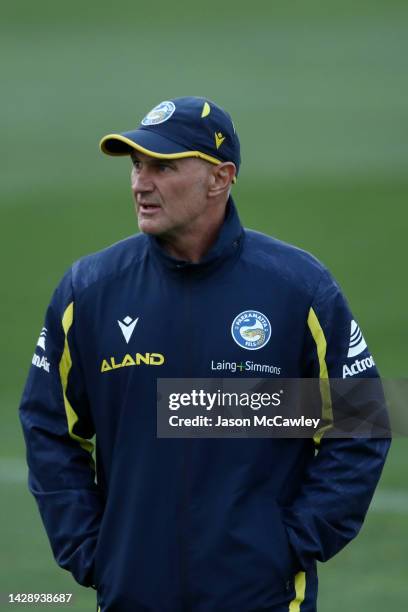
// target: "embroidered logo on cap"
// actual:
[[160, 113], [219, 139], [206, 110]]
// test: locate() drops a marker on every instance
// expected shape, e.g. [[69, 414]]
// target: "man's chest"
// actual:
[[193, 328]]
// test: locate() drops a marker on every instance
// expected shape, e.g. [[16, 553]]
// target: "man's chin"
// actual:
[[148, 226]]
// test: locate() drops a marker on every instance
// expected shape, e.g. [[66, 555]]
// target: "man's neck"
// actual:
[[193, 247]]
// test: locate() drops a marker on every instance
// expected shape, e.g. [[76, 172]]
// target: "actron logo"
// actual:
[[360, 365], [357, 343]]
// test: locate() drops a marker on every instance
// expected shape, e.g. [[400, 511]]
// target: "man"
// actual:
[[200, 525]]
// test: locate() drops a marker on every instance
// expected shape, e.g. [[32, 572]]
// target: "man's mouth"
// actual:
[[148, 208]]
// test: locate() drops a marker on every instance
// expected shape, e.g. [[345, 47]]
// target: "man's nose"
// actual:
[[142, 180]]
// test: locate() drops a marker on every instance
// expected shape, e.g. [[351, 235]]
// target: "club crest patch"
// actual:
[[160, 113], [251, 330]]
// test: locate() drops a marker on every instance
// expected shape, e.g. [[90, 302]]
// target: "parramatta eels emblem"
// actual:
[[251, 330], [160, 113]]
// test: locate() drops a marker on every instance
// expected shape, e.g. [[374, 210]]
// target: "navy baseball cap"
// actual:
[[182, 127]]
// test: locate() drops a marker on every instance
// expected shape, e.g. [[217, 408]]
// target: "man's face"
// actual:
[[170, 195]]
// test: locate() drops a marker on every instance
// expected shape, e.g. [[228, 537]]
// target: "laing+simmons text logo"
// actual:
[[245, 366]]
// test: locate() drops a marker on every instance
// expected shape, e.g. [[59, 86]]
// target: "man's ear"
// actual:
[[221, 179]]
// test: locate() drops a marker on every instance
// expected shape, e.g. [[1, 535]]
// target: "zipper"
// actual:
[[186, 593]]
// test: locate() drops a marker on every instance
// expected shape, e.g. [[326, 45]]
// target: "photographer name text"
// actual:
[[277, 420]]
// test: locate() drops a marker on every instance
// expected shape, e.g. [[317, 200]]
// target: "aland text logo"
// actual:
[[149, 359], [357, 343], [251, 330]]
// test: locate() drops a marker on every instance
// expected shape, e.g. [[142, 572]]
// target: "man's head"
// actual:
[[179, 197], [185, 156]]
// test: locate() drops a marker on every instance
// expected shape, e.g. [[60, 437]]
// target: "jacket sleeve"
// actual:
[[340, 481], [57, 427]]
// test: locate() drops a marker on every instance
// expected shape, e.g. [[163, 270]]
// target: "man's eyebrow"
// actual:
[[152, 160], [157, 161]]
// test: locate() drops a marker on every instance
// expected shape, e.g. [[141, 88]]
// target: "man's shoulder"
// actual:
[[109, 262], [266, 250], [283, 264]]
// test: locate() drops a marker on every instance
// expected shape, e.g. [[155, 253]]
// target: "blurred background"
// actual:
[[318, 93]]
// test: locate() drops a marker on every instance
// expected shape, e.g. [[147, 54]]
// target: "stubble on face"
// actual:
[[171, 196]]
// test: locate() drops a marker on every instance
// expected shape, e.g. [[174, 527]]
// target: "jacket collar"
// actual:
[[228, 242]]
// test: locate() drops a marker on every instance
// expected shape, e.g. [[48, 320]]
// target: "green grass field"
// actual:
[[318, 92]]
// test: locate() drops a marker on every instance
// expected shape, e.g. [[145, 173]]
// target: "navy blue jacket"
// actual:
[[203, 525]]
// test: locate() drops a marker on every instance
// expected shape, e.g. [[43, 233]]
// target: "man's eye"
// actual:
[[163, 167]]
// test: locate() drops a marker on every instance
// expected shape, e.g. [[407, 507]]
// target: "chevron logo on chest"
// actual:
[[127, 326]]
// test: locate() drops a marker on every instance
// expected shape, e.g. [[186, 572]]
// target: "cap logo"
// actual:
[[219, 139], [160, 113], [206, 110]]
